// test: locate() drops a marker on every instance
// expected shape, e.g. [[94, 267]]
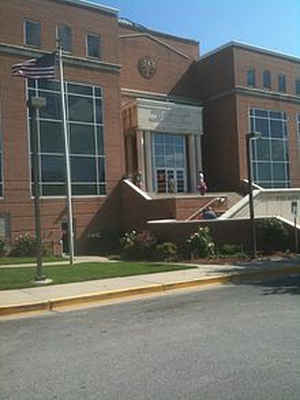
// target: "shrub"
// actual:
[[166, 251], [274, 235], [26, 246], [200, 243], [137, 245], [231, 249]]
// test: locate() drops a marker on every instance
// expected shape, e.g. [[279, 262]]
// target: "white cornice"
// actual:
[[159, 96], [22, 51], [89, 4], [250, 47]]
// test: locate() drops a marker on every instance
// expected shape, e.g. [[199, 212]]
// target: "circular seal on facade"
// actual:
[[147, 67]]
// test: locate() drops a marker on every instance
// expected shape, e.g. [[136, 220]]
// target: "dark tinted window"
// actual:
[[51, 137], [267, 79], [81, 109], [298, 86], [33, 33], [251, 77], [93, 46], [282, 83], [82, 139], [65, 36]]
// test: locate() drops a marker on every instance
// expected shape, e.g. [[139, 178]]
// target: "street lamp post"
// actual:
[[35, 103], [251, 136]]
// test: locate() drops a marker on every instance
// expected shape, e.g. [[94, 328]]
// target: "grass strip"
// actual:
[[28, 260], [17, 278]]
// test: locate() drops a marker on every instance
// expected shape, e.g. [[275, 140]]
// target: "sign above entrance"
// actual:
[[169, 117]]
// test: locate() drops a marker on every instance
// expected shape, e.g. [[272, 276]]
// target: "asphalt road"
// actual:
[[229, 342]]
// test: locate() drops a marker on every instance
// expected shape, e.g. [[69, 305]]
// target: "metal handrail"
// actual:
[[203, 207]]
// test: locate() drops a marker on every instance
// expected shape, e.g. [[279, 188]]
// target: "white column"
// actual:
[[192, 162], [148, 162], [140, 143]]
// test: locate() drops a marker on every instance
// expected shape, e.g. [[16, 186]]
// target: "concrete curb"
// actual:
[[50, 305]]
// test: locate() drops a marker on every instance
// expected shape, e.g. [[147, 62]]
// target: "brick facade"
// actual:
[[89, 213], [173, 58], [216, 81], [221, 82]]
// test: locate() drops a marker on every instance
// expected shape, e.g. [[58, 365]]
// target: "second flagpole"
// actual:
[[67, 158]]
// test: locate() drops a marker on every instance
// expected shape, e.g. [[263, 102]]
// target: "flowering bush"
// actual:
[[26, 246], [200, 243], [128, 239], [137, 245]]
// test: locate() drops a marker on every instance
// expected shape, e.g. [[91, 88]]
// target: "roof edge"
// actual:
[[140, 28], [250, 47], [90, 4]]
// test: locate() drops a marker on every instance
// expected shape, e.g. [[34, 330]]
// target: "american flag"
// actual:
[[36, 68]]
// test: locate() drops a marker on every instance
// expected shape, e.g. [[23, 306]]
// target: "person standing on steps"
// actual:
[[202, 184]]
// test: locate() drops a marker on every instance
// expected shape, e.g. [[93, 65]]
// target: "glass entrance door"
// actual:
[[170, 180], [169, 163]]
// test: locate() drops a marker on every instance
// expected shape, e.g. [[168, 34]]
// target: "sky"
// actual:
[[271, 24]]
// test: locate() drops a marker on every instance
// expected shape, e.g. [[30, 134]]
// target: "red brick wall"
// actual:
[[213, 75], [244, 103], [171, 66], [136, 210], [91, 214], [234, 231], [220, 144], [247, 59], [50, 13], [226, 119], [186, 46]]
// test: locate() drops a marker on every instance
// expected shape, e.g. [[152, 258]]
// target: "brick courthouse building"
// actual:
[[140, 103]]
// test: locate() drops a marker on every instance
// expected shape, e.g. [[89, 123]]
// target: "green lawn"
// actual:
[[22, 277], [27, 260]]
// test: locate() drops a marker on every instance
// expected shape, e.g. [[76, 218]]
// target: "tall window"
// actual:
[[64, 33], [33, 33], [297, 84], [169, 162], [85, 129], [267, 79], [93, 45], [281, 83], [270, 153], [251, 77]]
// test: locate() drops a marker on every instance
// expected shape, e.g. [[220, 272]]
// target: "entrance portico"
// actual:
[[163, 145]]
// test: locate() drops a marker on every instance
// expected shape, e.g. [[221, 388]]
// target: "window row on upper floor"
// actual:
[[32, 37], [267, 81]]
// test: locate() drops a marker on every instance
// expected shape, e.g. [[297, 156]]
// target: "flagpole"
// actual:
[[67, 158]]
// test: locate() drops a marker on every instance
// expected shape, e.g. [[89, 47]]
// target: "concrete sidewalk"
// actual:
[[55, 296]]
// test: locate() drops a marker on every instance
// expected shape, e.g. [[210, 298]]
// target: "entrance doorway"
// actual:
[[169, 180], [169, 163]]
